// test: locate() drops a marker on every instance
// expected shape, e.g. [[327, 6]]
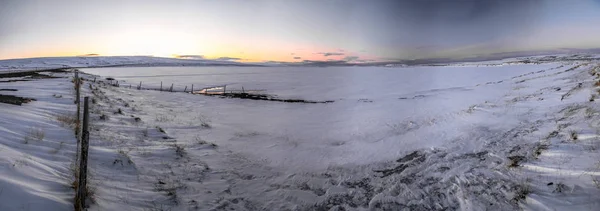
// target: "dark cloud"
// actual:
[[271, 62], [331, 54], [324, 63], [334, 62], [348, 60], [457, 11], [297, 57], [351, 58], [364, 60], [401, 25], [228, 59], [189, 56]]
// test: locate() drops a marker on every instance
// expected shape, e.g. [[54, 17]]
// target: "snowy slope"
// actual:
[[524, 137], [472, 147], [103, 61], [36, 150]]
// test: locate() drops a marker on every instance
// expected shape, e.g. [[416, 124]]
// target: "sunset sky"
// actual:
[[295, 30]]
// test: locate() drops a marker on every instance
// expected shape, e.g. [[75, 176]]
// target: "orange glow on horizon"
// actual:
[[166, 42], [243, 56]]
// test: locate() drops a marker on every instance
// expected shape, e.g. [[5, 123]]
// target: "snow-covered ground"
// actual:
[[314, 83], [426, 138], [36, 149]]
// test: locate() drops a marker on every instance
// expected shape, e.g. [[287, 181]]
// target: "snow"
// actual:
[[35, 172], [415, 138], [332, 83]]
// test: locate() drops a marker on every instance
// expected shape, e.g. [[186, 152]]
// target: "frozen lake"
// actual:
[[378, 113], [317, 83]]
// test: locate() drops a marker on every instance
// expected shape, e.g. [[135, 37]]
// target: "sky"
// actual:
[[295, 30]]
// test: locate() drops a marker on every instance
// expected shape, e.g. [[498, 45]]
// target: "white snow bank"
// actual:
[[35, 150], [455, 140]]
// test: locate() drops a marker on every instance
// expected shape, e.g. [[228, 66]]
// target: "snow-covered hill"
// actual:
[[510, 137], [105, 61], [149, 61]]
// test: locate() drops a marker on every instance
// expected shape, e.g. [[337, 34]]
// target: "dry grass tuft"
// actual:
[[179, 150], [160, 129], [67, 120], [521, 192], [34, 134], [540, 148], [573, 135], [514, 161], [104, 117], [145, 132]]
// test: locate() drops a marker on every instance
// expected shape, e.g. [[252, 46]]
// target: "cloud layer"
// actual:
[[189, 56], [331, 54]]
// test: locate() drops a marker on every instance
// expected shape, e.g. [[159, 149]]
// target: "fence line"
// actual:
[[82, 190], [82, 128], [81, 152], [77, 84], [212, 90]]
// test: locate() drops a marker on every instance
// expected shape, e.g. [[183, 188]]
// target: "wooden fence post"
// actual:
[[171, 89], [243, 90], [161, 86], [82, 180], [140, 86], [77, 101], [76, 83]]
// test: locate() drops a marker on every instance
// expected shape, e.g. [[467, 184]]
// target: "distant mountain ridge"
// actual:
[[566, 53], [150, 61], [107, 61]]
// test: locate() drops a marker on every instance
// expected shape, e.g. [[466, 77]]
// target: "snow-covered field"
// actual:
[[36, 150], [415, 138], [331, 83]]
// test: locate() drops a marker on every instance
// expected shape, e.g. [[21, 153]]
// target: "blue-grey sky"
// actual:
[[295, 30]]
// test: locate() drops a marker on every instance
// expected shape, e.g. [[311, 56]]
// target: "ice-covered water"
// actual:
[[317, 83], [378, 113]]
